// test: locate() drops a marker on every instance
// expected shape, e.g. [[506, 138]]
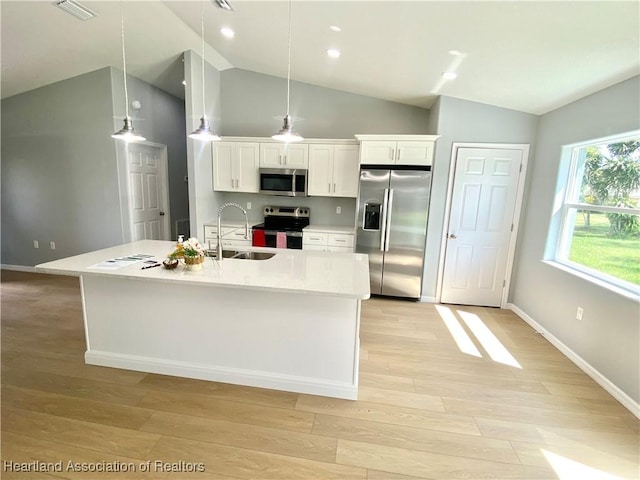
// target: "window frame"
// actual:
[[568, 190]]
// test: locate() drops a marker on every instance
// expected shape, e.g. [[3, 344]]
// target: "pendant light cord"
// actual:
[[289, 60], [204, 114], [124, 62]]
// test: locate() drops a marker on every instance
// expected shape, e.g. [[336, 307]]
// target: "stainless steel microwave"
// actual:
[[288, 182]]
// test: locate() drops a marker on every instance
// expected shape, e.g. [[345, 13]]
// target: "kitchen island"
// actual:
[[290, 322]]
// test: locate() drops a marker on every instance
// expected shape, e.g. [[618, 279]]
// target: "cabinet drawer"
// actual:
[[340, 249], [340, 240], [210, 232], [314, 238], [321, 248]]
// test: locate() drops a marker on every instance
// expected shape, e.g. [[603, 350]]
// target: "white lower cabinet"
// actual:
[[333, 170], [235, 167], [232, 237], [328, 241]]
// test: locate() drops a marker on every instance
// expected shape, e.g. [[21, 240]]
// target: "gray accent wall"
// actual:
[[59, 179], [62, 173], [458, 120], [608, 336], [254, 104], [160, 120]]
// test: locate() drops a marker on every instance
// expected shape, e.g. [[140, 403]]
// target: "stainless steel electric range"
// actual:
[[282, 227]]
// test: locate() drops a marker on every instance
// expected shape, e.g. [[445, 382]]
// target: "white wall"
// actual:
[[608, 337], [459, 120], [203, 201]]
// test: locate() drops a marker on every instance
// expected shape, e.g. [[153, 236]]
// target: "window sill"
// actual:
[[623, 292]]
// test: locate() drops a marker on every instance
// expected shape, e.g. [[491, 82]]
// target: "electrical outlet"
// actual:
[[36, 244], [248, 205], [338, 210], [52, 245], [579, 313]]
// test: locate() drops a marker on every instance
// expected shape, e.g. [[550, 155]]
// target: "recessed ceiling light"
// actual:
[[455, 53], [227, 32], [449, 75], [223, 4], [335, 28], [333, 52]]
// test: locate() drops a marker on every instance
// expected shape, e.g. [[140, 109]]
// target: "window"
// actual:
[[599, 230]]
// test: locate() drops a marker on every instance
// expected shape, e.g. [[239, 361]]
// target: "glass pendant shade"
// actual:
[[287, 133], [127, 133], [204, 132]]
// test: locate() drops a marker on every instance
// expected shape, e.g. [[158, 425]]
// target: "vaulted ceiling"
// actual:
[[525, 55]]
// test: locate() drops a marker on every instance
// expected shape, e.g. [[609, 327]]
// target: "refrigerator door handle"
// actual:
[[383, 220], [388, 220]]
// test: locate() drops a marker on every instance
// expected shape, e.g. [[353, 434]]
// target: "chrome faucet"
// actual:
[[246, 226]]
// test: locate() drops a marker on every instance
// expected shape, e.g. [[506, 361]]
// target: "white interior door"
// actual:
[[478, 239], [148, 192]]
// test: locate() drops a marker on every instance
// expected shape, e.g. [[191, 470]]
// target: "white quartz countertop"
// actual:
[[293, 271], [329, 229]]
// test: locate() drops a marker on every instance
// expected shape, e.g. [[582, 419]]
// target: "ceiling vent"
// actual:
[[74, 8]]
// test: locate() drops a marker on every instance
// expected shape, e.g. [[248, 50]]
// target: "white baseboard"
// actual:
[[599, 378], [428, 299], [18, 268], [250, 378]]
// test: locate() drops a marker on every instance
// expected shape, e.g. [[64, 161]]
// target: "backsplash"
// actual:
[[323, 209]]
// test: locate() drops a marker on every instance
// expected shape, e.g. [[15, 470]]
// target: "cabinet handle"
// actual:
[[286, 160], [339, 240], [393, 154], [329, 187], [334, 188], [280, 159], [398, 154], [314, 238]]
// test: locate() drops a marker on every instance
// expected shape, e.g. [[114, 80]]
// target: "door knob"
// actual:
[[162, 214], [453, 235]]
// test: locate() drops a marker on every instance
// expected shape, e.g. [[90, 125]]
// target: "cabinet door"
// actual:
[[320, 181], [246, 167], [271, 155], [223, 161], [415, 153], [346, 169], [378, 151], [296, 155]]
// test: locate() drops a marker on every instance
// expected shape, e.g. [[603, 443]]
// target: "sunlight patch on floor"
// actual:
[[496, 350], [464, 342], [568, 469]]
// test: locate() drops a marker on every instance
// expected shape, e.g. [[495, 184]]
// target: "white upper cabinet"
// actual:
[[281, 155], [333, 170], [397, 149], [235, 167]]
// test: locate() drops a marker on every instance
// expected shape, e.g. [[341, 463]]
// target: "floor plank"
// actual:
[[425, 409]]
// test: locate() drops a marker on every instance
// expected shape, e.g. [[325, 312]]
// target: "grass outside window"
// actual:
[[592, 247]]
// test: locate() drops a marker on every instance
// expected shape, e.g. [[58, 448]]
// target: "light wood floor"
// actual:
[[425, 409]]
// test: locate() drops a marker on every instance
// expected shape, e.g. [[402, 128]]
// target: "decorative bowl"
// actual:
[[170, 263]]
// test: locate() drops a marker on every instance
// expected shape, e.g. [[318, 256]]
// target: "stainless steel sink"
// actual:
[[240, 255]]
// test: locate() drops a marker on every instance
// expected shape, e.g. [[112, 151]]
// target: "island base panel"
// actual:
[[283, 341]]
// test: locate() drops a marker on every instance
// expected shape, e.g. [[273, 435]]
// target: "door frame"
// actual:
[[524, 147], [125, 188]]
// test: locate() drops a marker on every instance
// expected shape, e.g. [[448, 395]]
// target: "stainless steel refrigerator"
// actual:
[[393, 209]]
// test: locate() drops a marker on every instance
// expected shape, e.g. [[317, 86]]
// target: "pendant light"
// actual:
[[203, 132], [287, 133], [127, 133]]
